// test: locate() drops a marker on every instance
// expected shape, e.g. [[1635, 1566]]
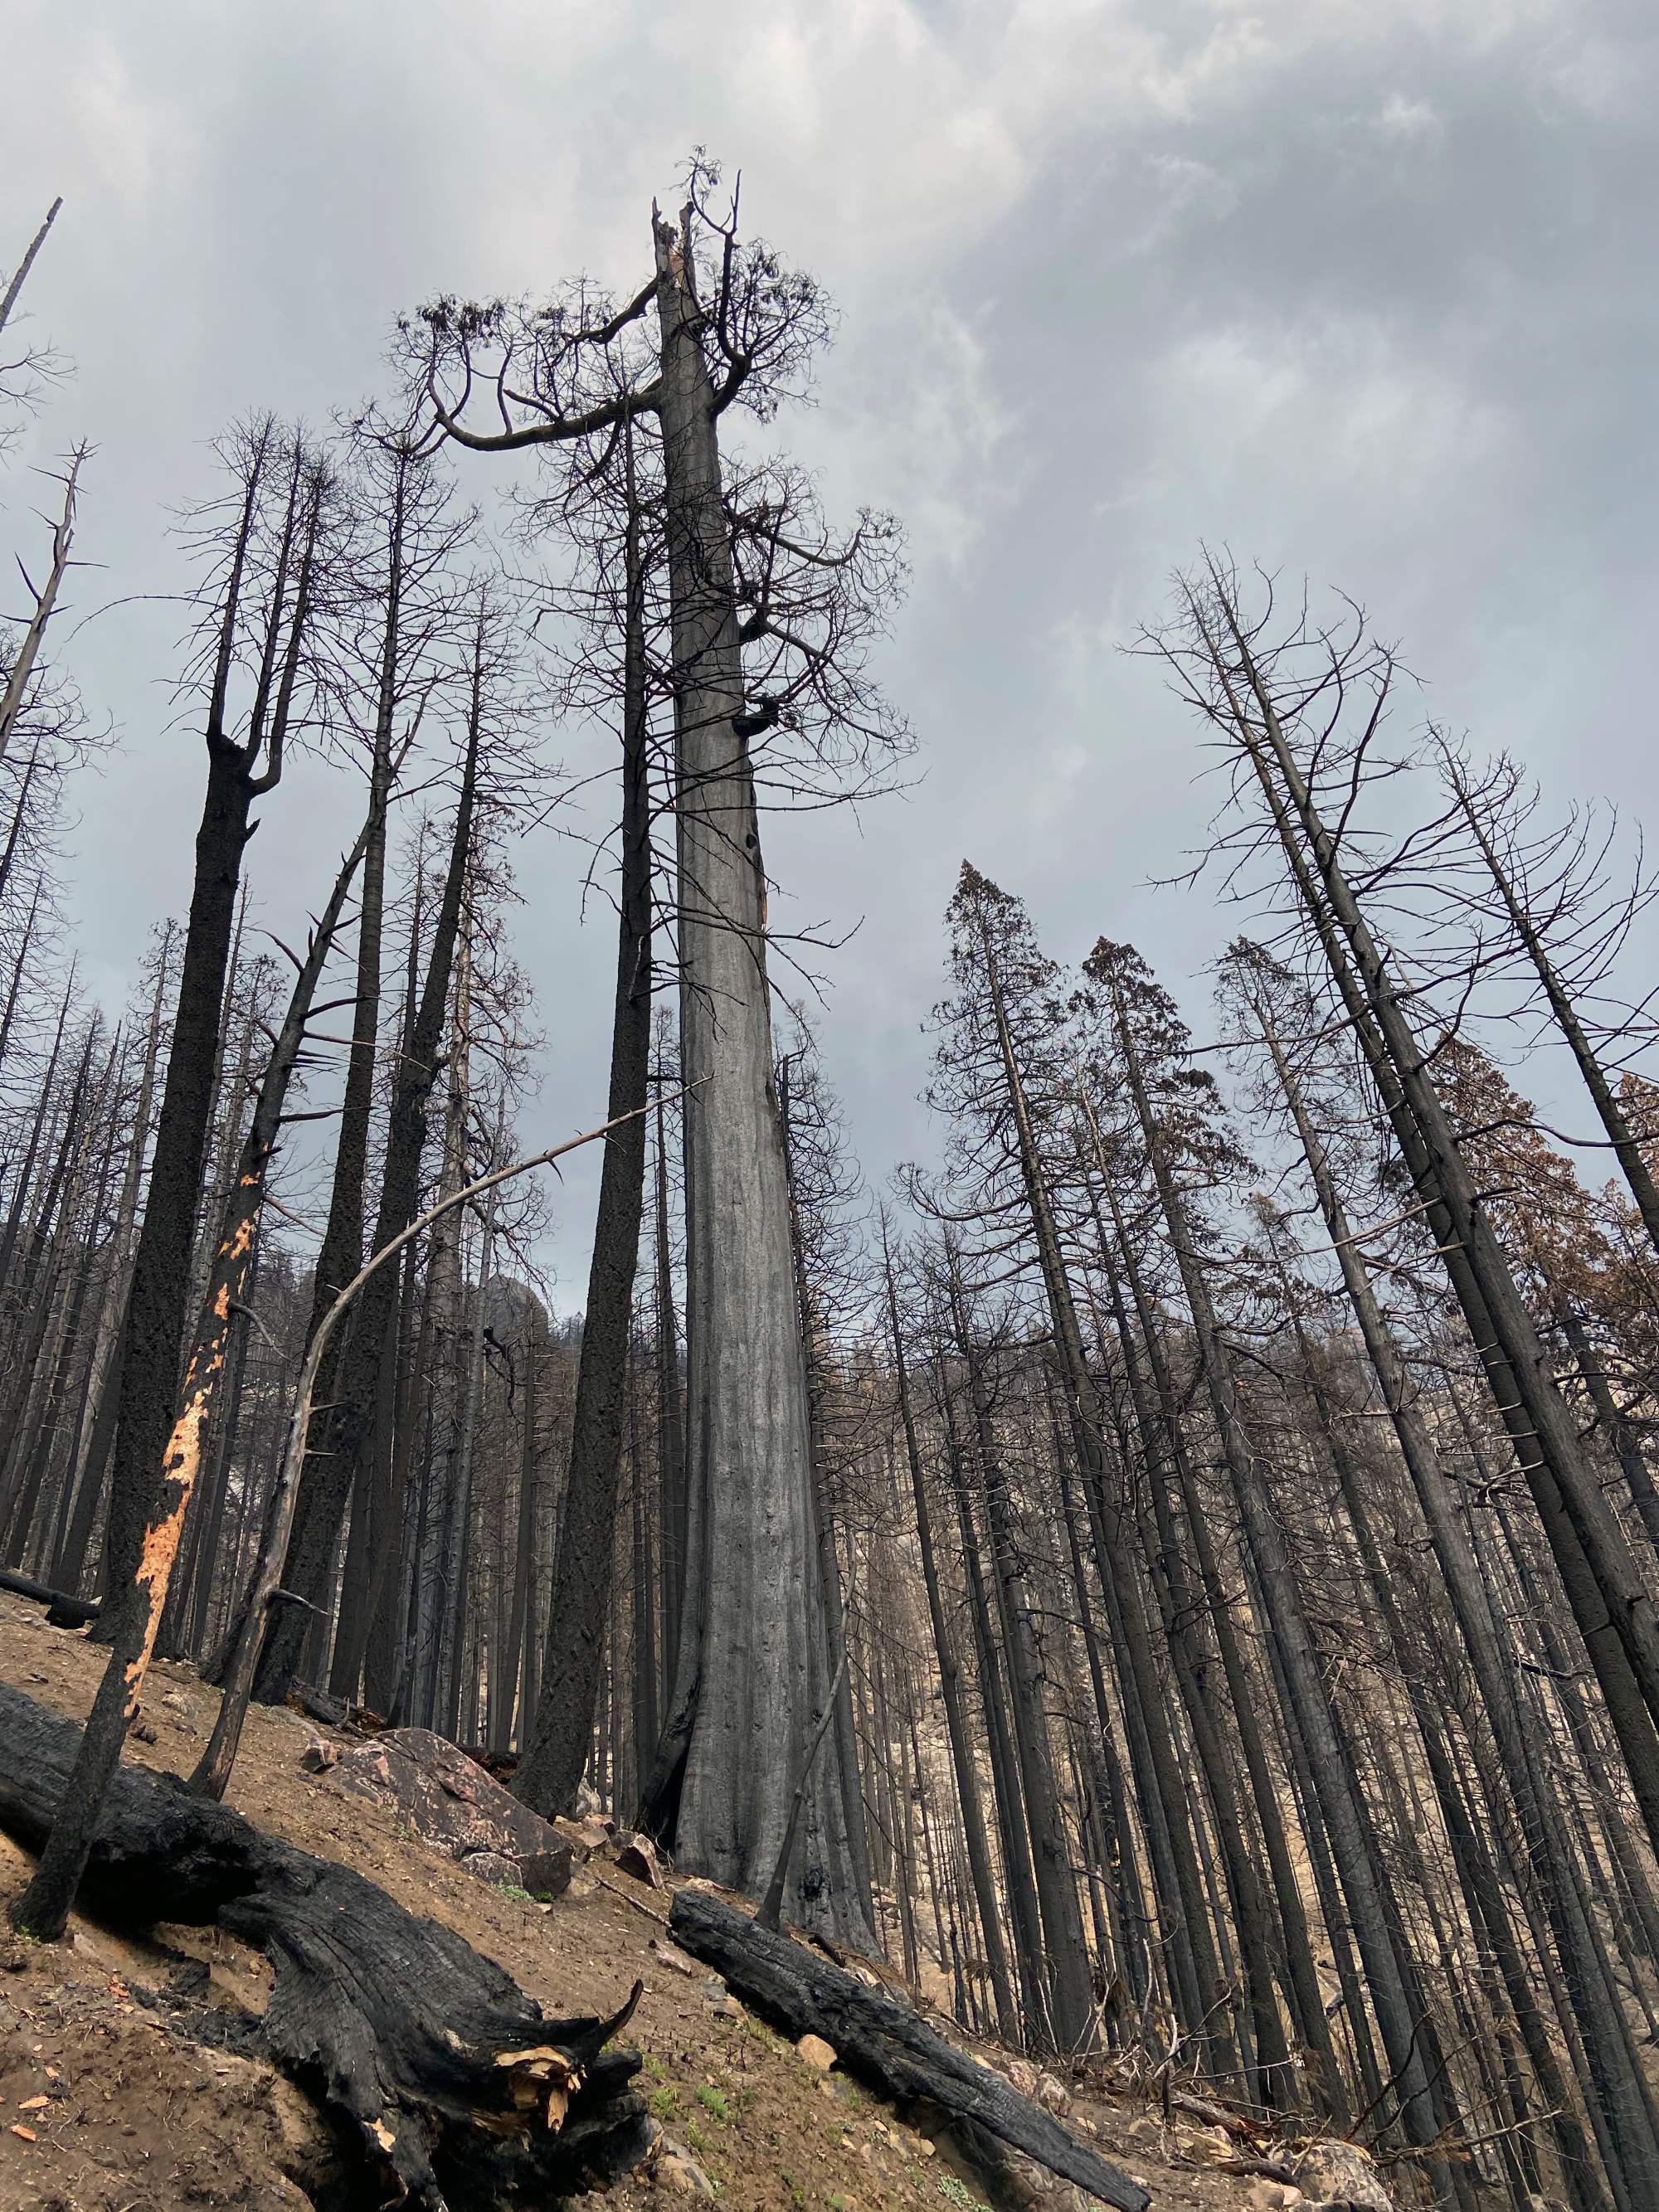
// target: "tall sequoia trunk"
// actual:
[[753, 1669], [561, 1736], [670, 1431]]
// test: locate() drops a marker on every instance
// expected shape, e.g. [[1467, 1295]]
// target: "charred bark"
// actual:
[[461, 2091], [561, 1735], [883, 2040], [754, 1662]]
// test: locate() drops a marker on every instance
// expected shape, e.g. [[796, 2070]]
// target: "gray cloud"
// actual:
[[1366, 290]]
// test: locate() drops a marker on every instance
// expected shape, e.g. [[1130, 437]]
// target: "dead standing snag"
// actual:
[[44, 1906], [214, 1771]]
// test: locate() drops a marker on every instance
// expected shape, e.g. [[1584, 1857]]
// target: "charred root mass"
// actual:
[[884, 2042], [462, 2093]]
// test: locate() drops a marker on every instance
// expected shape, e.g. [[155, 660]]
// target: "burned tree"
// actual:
[[753, 1660], [264, 548]]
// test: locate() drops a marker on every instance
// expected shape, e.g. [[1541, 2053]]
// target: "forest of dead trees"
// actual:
[[1214, 1504]]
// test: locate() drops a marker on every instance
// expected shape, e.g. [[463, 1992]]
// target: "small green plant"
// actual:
[[958, 2193], [837, 2202], [663, 2103], [512, 1889], [792, 2185], [695, 2137], [855, 2100], [713, 2100], [653, 2067]]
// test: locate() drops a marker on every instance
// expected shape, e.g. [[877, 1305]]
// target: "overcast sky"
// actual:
[[1366, 290]]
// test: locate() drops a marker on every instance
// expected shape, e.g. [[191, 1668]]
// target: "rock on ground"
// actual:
[[1341, 2176], [452, 1804]]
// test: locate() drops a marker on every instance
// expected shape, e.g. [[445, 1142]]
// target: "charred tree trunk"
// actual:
[[1610, 1593], [44, 1906], [1614, 2074], [459, 2091], [753, 1665], [103, 1385], [671, 1429], [155, 1313], [1286, 1621], [326, 1485], [962, 1753], [882, 2039], [561, 1736]]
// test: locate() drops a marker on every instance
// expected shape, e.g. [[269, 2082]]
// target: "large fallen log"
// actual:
[[884, 2042], [462, 2093], [64, 1609]]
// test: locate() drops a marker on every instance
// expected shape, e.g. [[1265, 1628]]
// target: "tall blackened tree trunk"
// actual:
[[1300, 1975], [327, 1483], [670, 1424], [1615, 1606], [1621, 2103], [85, 1481], [1018, 1881], [155, 1322], [1286, 1621], [43, 1909], [949, 1673], [1066, 1960], [753, 1665], [562, 1733], [823, 1528]]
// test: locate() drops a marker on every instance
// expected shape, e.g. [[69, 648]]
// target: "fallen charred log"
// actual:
[[459, 2087], [884, 2042], [63, 1608]]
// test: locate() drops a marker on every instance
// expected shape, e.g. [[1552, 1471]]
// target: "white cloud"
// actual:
[[1403, 118], [1331, 409], [915, 412]]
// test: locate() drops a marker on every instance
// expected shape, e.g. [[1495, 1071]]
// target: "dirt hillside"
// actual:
[[107, 2104]]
